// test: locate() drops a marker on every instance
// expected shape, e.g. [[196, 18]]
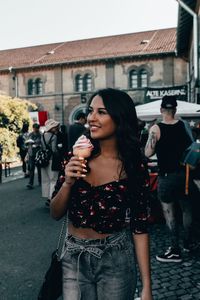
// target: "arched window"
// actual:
[[143, 78], [133, 79], [38, 86], [79, 83], [31, 87], [35, 86], [87, 82]]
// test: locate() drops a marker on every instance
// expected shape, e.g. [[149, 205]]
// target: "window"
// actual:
[[83, 83], [138, 78], [79, 83], [87, 82], [143, 78], [38, 86], [133, 79], [35, 86], [30, 87]]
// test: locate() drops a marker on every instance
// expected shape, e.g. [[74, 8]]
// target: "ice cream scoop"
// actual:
[[83, 147]]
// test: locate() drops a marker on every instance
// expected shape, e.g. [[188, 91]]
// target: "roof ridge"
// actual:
[[91, 38]]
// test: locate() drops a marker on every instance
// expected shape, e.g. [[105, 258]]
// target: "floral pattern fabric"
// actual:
[[107, 208]]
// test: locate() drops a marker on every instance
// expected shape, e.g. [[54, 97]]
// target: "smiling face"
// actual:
[[100, 123]]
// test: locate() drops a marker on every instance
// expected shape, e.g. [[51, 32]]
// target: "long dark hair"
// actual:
[[121, 108]]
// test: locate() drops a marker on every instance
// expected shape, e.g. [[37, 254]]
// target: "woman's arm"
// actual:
[[142, 253], [74, 169], [59, 202]]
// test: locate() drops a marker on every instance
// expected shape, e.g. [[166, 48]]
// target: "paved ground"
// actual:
[[29, 235], [15, 173]]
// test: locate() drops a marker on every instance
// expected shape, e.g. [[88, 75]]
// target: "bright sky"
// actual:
[[26, 23]]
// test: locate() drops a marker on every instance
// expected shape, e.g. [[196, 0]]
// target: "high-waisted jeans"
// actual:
[[99, 269]]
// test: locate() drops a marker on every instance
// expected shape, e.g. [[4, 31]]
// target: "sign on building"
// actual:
[[157, 93]]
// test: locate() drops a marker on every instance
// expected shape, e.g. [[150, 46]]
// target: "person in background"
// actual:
[[106, 200], [168, 139], [196, 132], [77, 129], [33, 145], [22, 147], [1, 151], [63, 139], [49, 176]]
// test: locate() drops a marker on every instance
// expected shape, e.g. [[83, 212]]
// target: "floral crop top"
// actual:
[[106, 208]]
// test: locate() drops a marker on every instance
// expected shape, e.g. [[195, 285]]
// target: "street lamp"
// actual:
[[195, 39]]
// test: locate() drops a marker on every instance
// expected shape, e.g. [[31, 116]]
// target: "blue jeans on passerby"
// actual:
[[31, 164], [99, 269], [171, 191]]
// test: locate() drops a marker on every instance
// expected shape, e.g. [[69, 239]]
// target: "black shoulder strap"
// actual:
[[47, 145]]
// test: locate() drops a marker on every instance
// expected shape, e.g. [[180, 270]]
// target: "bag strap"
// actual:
[[187, 178], [47, 145], [62, 231]]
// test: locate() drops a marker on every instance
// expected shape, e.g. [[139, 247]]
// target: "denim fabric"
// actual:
[[171, 187], [99, 269], [171, 191], [31, 164]]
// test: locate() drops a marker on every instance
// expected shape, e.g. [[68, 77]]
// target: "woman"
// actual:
[[49, 176], [104, 197]]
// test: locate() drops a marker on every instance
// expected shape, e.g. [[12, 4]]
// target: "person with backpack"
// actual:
[[22, 148], [169, 139], [49, 142]]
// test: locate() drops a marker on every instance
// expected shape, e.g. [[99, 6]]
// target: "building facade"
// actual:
[[59, 78], [188, 41]]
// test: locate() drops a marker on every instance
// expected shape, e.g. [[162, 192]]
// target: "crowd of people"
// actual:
[[59, 139], [106, 195]]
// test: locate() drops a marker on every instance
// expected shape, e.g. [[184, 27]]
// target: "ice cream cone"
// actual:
[[82, 148]]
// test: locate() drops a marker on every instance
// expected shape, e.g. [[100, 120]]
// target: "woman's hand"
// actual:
[[75, 168]]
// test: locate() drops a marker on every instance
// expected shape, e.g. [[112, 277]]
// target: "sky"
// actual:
[[26, 23]]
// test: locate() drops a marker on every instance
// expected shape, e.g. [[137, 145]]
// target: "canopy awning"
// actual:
[[151, 110]]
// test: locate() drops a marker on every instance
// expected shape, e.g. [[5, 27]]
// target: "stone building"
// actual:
[[60, 77], [188, 37]]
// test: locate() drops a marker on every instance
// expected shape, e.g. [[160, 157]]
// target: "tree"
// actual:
[[14, 112]]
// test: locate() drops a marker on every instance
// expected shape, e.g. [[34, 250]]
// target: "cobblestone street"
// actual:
[[173, 280], [29, 235]]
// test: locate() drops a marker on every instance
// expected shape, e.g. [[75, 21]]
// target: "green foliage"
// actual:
[[14, 112], [8, 140]]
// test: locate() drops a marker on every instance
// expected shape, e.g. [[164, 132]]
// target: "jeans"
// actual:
[[99, 269], [171, 193], [32, 171]]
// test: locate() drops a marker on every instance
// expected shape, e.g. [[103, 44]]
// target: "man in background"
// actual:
[[33, 145], [21, 139], [77, 129], [169, 139]]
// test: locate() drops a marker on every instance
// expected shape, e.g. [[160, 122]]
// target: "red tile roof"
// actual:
[[159, 42]]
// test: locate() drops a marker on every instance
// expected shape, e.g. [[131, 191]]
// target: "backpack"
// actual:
[[191, 155], [43, 156]]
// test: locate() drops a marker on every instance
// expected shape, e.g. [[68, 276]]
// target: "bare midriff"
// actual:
[[86, 233]]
